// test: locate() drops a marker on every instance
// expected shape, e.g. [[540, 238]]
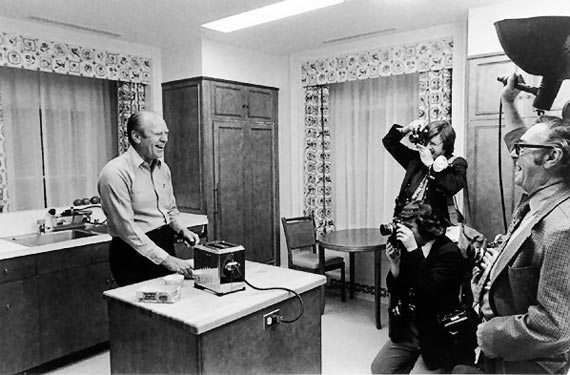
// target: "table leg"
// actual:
[[351, 266], [377, 281]]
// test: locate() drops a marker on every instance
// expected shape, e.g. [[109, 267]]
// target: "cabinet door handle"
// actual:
[[6, 271], [8, 306], [215, 211]]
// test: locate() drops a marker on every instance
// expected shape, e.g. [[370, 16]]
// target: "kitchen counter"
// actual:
[[10, 249], [203, 311], [207, 334]]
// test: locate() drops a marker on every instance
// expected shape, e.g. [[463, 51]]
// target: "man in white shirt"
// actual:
[[138, 199]]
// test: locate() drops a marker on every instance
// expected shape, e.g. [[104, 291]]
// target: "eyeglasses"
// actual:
[[520, 145]]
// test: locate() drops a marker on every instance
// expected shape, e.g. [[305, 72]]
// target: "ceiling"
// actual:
[[168, 23]]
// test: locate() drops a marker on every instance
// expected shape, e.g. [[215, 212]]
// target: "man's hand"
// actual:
[[415, 125], [489, 257], [178, 265], [425, 155], [480, 343], [189, 237], [510, 92], [394, 256], [406, 237]]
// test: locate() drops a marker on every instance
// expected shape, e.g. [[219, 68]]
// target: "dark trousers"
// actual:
[[129, 267]]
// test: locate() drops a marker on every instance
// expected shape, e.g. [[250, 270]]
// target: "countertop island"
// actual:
[[208, 334]]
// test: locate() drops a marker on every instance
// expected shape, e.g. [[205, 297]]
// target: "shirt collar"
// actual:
[[538, 199], [427, 248], [137, 160]]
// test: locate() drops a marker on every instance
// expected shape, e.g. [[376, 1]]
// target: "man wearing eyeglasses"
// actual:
[[522, 293]]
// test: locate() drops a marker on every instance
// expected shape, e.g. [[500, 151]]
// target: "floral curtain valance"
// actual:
[[382, 62], [18, 51]]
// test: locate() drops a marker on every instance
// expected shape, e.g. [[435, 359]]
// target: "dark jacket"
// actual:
[[440, 185], [435, 282]]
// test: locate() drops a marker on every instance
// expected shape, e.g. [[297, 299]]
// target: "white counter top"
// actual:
[[203, 311], [10, 249]]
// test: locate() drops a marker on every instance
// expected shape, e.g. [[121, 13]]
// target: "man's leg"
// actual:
[[395, 358]]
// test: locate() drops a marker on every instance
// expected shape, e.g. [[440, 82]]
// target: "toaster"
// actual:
[[219, 266]]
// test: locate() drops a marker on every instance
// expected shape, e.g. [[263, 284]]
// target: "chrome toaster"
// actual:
[[219, 266]]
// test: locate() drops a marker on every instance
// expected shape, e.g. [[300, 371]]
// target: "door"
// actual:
[[231, 204], [263, 192], [19, 326]]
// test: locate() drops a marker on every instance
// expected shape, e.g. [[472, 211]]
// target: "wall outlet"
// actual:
[[270, 319]]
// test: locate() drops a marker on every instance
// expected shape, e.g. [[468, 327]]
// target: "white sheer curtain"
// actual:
[[366, 179], [20, 104], [78, 122], [79, 136]]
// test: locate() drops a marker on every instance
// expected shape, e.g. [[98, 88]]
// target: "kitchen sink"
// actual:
[[37, 239]]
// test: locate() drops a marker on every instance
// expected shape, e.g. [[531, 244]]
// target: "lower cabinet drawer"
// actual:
[[17, 268]]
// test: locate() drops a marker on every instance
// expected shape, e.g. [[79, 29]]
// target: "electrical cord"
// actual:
[[278, 288], [499, 161]]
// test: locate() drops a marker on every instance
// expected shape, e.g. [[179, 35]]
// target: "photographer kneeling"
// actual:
[[426, 270], [433, 174]]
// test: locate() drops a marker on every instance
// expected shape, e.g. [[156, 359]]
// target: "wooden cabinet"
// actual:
[[19, 318], [223, 155], [483, 143], [73, 313]]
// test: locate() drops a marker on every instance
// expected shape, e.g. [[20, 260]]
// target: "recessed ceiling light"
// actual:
[[268, 13]]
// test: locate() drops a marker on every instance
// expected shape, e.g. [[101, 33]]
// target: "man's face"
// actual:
[[435, 145], [153, 138], [529, 171]]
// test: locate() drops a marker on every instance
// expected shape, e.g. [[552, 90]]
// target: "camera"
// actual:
[[476, 255], [390, 229], [420, 136]]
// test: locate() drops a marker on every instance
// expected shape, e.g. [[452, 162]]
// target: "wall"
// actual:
[[182, 61], [37, 30], [482, 37], [292, 181]]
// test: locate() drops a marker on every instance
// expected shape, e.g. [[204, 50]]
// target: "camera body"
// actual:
[[390, 229], [420, 136]]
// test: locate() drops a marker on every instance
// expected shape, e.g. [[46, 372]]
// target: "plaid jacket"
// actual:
[[530, 292]]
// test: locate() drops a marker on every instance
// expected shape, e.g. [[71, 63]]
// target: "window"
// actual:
[[59, 131]]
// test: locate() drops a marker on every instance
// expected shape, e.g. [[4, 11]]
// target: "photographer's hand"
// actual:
[[510, 92], [415, 125], [425, 155], [406, 237], [489, 257], [394, 256]]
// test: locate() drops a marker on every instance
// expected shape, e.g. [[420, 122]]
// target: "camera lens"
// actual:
[[387, 229]]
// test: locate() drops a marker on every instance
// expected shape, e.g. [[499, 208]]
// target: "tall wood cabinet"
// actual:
[[483, 144], [223, 155]]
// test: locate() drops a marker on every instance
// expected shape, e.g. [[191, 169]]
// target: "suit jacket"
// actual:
[[435, 282], [530, 291], [440, 184]]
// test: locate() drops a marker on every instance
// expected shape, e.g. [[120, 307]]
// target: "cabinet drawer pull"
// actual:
[[6, 271], [8, 306]]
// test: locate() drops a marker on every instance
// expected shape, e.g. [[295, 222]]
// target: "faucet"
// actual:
[[42, 225]]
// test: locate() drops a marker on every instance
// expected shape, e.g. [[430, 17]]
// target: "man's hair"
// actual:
[[558, 135], [135, 122], [429, 224], [445, 130]]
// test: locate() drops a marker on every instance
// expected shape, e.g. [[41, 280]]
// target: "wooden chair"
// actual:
[[301, 238]]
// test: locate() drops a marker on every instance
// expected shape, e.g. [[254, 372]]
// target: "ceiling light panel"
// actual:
[[268, 13]]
